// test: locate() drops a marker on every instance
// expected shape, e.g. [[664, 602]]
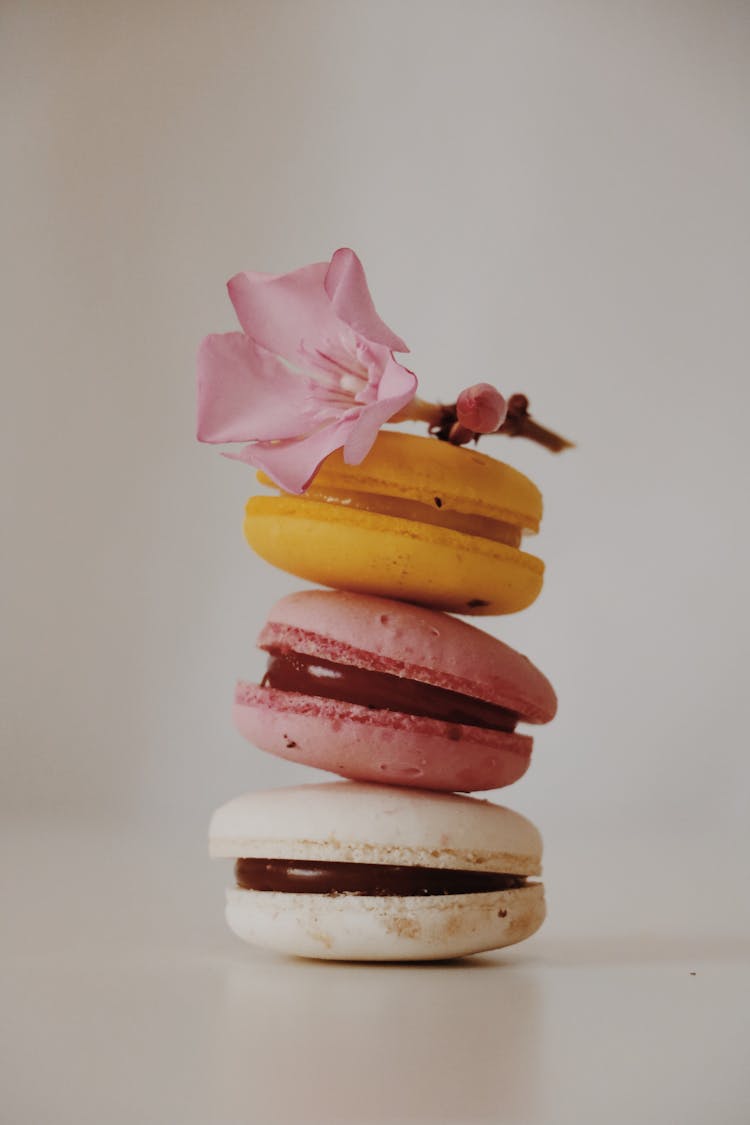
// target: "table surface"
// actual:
[[124, 1000]]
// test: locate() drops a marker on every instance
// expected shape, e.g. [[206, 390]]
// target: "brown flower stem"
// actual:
[[534, 432], [519, 423], [460, 435], [443, 423]]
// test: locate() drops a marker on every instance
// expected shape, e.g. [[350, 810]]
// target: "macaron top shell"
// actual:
[[357, 823], [435, 472], [382, 635]]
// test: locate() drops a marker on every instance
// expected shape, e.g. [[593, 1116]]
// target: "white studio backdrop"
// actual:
[[549, 196]]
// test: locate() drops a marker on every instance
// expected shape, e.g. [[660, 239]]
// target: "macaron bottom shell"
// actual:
[[379, 746], [369, 553], [385, 928]]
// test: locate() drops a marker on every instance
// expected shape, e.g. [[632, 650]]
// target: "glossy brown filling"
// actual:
[[292, 671], [439, 513], [295, 876]]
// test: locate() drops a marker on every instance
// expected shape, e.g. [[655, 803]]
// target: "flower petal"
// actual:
[[396, 389], [397, 383], [293, 464], [346, 286], [282, 310], [245, 393]]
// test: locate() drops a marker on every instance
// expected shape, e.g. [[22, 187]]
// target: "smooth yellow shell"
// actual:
[[370, 552]]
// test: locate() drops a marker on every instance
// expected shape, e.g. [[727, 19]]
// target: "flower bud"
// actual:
[[481, 408]]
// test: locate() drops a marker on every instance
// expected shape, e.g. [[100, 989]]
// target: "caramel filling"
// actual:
[[315, 877], [438, 513], [292, 671]]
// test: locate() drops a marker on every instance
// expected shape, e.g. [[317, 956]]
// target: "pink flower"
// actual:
[[481, 408], [312, 371]]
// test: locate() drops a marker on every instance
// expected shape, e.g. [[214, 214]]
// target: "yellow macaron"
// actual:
[[419, 520]]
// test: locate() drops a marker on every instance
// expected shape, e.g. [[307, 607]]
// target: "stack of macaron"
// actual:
[[374, 680]]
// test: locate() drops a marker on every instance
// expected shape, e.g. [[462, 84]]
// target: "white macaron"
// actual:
[[362, 847]]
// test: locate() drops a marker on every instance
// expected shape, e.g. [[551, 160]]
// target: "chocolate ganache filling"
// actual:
[[331, 878], [293, 671]]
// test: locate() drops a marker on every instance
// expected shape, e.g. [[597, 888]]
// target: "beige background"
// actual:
[[550, 195]]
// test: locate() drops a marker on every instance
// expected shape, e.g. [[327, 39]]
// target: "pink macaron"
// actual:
[[379, 690]]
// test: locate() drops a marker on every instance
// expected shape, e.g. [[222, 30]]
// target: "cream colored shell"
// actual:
[[357, 823], [363, 928]]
